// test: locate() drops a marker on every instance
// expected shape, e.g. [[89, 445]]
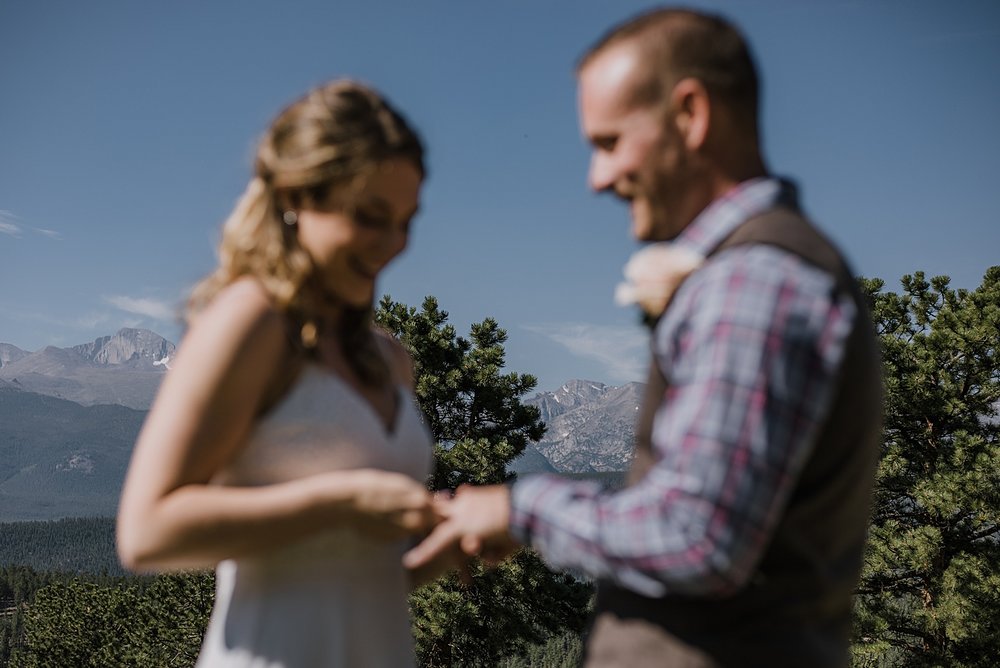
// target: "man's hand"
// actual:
[[451, 559], [475, 520]]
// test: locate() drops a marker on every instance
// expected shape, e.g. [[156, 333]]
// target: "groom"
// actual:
[[739, 538]]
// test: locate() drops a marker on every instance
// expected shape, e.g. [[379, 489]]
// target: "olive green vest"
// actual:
[[796, 608]]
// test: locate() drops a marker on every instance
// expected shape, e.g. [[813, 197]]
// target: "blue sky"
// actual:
[[127, 130]]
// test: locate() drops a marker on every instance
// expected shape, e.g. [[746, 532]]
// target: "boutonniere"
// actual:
[[653, 274]]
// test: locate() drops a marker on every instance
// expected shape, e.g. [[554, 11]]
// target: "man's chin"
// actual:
[[644, 230], [642, 226]]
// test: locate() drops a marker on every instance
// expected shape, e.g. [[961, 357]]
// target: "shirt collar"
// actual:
[[718, 220]]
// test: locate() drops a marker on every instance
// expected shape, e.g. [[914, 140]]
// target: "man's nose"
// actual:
[[602, 173]]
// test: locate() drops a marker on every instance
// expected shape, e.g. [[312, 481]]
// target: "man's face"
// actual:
[[637, 152]]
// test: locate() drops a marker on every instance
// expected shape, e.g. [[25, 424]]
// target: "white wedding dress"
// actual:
[[338, 598]]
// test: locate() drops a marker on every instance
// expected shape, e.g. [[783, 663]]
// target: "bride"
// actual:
[[285, 447]]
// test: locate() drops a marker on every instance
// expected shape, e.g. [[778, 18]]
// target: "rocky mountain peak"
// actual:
[[591, 426], [571, 395], [124, 368], [10, 353], [127, 345]]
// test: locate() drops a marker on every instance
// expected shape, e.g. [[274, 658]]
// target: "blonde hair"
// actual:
[[330, 139]]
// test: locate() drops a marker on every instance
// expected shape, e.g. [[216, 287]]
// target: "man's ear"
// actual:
[[692, 112]]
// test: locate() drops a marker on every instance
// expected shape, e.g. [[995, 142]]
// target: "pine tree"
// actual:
[[480, 426], [930, 590], [123, 622]]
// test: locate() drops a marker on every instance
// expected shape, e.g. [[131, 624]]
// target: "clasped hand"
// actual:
[[473, 523]]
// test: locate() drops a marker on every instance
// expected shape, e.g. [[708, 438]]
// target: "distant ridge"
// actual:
[[59, 458], [69, 418], [10, 353], [125, 368]]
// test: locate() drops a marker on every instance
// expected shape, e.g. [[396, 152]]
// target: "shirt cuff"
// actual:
[[526, 495]]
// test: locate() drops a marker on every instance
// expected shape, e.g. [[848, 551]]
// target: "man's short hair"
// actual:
[[677, 44]]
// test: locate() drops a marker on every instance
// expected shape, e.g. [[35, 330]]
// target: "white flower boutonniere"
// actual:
[[653, 274]]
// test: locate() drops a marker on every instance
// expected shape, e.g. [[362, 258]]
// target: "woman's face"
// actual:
[[352, 243]]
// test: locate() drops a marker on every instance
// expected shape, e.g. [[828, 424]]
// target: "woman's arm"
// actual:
[[171, 518]]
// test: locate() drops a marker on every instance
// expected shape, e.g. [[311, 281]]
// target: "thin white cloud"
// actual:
[[11, 224], [51, 234], [150, 308], [621, 350], [8, 224]]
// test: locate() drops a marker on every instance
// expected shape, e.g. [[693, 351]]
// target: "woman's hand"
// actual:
[[391, 505]]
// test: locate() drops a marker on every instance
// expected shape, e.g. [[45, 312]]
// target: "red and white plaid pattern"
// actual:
[[751, 346]]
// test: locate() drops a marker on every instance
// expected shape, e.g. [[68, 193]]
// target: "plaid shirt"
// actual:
[[750, 346]]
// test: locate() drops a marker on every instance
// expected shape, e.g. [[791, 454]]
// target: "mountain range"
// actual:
[[124, 369], [590, 428], [70, 416]]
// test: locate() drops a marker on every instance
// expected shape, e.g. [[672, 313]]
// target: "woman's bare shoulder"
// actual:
[[243, 318]]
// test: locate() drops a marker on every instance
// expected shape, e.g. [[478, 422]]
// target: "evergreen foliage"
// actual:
[[480, 426], [130, 622], [472, 409], [73, 545], [36, 554], [18, 585], [562, 651], [930, 590]]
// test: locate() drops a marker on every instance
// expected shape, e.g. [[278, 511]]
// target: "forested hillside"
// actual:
[[61, 459], [33, 555], [75, 545], [18, 585]]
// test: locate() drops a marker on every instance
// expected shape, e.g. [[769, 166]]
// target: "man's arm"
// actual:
[[751, 348], [751, 353]]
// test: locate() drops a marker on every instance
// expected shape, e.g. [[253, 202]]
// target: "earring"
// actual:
[[290, 218]]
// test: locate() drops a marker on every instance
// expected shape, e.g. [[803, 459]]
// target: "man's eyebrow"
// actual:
[[603, 140]]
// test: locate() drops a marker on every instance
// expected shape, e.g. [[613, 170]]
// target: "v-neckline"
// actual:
[[389, 428]]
